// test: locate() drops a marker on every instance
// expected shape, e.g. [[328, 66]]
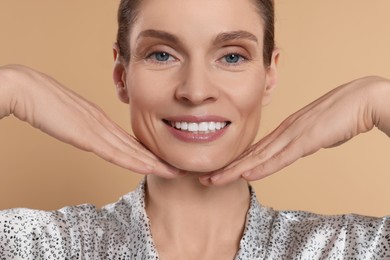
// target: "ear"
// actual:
[[119, 76], [271, 78]]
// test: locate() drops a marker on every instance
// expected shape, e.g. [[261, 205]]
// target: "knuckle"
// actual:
[[260, 154]]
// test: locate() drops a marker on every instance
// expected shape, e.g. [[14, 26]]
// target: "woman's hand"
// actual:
[[333, 119], [45, 104]]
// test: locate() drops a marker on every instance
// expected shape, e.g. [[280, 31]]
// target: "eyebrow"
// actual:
[[222, 37], [235, 35], [158, 34]]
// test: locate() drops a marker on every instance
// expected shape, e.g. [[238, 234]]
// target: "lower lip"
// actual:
[[187, 136]]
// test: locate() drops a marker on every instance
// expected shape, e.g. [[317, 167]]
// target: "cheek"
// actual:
[[149, 93], [246, 92], [148, 90], [143, 99], [247, 99], [142, 89]]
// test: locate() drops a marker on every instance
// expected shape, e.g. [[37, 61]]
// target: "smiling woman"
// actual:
[[196, 85], [195, 81]]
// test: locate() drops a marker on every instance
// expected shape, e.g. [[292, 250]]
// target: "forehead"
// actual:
[[195, 19]]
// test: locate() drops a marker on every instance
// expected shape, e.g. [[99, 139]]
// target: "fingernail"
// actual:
[[149, 167], [204, 177], [205, 181], [246, 174], [215, 177], [175, 171]]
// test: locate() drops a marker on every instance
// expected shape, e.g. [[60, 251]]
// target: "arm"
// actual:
[[381, 105], [47, 105], [336, 117]]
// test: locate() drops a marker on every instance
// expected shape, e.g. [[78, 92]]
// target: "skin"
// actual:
[[188, 207], [196, 80]]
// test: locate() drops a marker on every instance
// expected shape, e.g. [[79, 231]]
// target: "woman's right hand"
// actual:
[[47, 105]]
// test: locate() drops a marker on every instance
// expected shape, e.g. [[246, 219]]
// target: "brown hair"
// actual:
[[127, 14]]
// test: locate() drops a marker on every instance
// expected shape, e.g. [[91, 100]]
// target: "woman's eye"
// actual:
[[160, 56], [233, 58]]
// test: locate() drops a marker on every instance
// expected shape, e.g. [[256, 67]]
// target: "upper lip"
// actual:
[[197, 119]]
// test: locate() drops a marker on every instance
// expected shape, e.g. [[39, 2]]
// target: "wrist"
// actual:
[[7, 89], [379, 105]]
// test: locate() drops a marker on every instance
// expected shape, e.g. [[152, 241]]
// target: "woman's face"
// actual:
[[196, 81]]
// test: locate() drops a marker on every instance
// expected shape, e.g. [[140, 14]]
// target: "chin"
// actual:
[[199, 163]]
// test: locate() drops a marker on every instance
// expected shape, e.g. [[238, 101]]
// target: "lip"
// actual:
[[191, 137]]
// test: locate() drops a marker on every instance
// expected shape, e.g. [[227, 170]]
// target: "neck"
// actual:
[[184, 212]]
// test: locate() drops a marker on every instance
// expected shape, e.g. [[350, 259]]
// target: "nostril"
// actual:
[[196, 100], [197, 92]]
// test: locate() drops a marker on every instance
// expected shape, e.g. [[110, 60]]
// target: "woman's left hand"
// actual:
[[331, 120]]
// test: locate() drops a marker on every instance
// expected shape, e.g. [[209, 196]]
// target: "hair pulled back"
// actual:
[[128, 10]]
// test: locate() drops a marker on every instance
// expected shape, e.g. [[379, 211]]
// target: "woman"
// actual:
[[213, 74]]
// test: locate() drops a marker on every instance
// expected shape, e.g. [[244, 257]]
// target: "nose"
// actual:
[[196, 86]]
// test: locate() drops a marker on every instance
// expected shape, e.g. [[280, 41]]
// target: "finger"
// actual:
[[284, 158], [128, 163], [129, 156], [138, 163], [232, 172], [254, 149], [129, 141], [160, 167], [277, 142], [167, 171], [269, 147], [105, 128], [117, 138]]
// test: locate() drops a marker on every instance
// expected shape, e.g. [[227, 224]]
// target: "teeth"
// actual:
[[212, 126], [199, 127], [193, 127], [203, 126]]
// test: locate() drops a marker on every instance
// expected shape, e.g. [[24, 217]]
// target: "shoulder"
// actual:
[[65, 233], [37, 234], [311, 235], [273, 234]]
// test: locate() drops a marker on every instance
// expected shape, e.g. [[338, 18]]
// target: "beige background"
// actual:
[[323, 43]]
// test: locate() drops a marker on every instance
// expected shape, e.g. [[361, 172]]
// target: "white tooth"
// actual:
[[204, 126], [193, 127], [184, 125], [177, 125], [223, 124], [212, 126], [218, 125]]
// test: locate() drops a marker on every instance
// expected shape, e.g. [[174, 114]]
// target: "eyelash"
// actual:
[[242, 58], [150, 55]]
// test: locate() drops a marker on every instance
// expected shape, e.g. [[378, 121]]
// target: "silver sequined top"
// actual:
[[122, 231]]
